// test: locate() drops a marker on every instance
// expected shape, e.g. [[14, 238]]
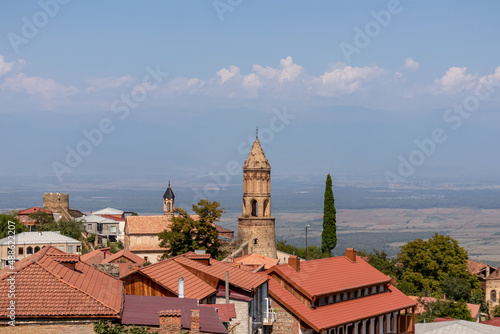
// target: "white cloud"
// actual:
[[6, 67], [454, 81], [45, 89], [411, 64], [109, 82], [226, 74], [344, 79]]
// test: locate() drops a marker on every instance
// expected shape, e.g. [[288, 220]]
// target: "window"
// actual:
[[20, 250], [70, 249], [339, 297], [353, 294], [255, 208], [346, 296], [89, 227], [29, 250], [367, 291], [37, 249], [29, 218], [323, 301], [24, 219], [374, 290], [331, 300], [493, 296], [360, 293], [112, 229], [382, 288], [61, 248], [168, 207]]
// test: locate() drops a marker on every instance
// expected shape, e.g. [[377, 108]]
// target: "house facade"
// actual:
[[337, 295], [26, 217], [28, 243], [104, 228]]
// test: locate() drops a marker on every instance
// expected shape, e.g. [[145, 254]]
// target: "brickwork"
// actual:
[[285, 323], [242, 315], [170, 322]]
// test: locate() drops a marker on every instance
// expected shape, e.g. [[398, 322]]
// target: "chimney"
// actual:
[[294, 262], [195, 321], [350, 253], [170, 321], [181, 287]]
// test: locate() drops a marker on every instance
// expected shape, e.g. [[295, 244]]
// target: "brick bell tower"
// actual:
[[256, 225]]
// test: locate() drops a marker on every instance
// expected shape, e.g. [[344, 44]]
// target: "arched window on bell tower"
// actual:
[[168, 202], [255, 208]]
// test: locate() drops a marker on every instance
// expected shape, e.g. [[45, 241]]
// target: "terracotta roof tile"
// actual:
[[47, 288], [123, 253], [256, 259], [147, 224], [115, 218], [340, 313], [167, 273], [330, 275], [34, 210], [237, 277], [96, 256], [422, 301]]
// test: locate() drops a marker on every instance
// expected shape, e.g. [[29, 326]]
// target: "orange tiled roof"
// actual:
[[34, 210], [241, 278], [95, 256], [46, 288], [256, 259], [147, 224], [115, 218], [167, 273], [330, 275], [125, 253], [329, 316]]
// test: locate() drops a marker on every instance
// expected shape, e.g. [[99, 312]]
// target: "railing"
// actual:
[[269, 317]]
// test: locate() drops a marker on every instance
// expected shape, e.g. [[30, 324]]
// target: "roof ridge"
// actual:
[[76, 288]]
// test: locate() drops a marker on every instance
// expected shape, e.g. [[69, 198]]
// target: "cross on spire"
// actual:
[[257, 133]]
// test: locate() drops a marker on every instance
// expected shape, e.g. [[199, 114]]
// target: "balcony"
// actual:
[[269, 317]]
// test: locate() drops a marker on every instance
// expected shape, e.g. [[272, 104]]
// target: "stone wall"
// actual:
[[261, 229], [242, 315], [492, 284], [57, 202], [286, 323]]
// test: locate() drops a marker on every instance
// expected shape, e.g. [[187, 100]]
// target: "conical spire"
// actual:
[[257, 158], [169, 194]]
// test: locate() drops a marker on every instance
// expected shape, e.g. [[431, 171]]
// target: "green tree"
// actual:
[[187, 234], [435, 267], [444, 308], [496, 311], [381, 261], [329, 234], [4, 224], [70, 228], [313, 252]]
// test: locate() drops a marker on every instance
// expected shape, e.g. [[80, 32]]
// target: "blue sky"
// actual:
[[362, 81]]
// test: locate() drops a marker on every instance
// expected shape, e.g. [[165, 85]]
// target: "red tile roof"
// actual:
[[226, 312], [421, 301], [147, 224], [256, 259], [492, 322], [34, 210], [96, 256], [222, 229], [237, 277], [340, 313], [115, 218], [167, 273], [330, 275], [123, 253], [46, 288]]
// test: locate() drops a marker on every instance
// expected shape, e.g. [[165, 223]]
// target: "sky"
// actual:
[[127, 93]]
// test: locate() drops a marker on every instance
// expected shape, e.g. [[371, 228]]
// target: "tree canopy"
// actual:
[[444, 308], [187, 234], [313, 252], [436, 267], [4, 224], [329, 234]]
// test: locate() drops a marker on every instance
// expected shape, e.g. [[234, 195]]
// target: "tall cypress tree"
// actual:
[[329, 235]]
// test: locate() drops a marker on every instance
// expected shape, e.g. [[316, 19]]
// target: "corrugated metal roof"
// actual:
[[456, 327], [96, 219], [45, 237], [144, 311], [108, 211]]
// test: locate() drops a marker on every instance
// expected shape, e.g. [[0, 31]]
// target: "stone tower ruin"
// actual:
[[58, 203], [256, 225]]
